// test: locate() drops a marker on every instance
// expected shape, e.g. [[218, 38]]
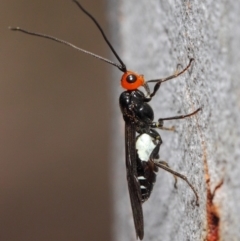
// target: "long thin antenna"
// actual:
[[120, 66], [124, 69], [66, 43]]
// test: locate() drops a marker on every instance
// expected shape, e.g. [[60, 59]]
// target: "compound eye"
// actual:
[[131, 78]]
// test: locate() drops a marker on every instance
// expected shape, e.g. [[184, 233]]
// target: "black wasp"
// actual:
[[142, 141]]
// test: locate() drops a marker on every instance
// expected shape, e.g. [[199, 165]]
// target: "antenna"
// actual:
[[120, 66], [103, 34]]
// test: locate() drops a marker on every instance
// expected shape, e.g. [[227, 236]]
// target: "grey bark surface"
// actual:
[[152, 38]]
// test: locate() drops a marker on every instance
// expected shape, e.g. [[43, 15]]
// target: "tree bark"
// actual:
[[154, 37]]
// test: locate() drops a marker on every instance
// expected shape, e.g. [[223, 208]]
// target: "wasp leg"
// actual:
[[160, 120], [155, 152], [166, 164], [159, 124], [160, 81], [167, 128], [166, 168]]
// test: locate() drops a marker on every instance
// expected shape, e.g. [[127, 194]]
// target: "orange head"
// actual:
[[131, 80]]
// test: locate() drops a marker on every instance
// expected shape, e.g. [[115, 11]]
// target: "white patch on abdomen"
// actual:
[[144, 146]]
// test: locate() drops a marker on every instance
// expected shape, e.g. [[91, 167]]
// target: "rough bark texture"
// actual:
[[155, 36]]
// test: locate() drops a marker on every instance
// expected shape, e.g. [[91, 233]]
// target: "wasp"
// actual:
[[142, 141]]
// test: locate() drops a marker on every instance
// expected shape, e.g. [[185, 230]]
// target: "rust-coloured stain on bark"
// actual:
[[213, 217]]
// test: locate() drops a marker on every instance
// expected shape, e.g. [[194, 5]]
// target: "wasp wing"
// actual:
[[133, 184]]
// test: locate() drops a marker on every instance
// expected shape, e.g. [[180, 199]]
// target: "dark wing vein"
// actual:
[[133, 184]]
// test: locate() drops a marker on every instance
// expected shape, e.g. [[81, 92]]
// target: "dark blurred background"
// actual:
[[54, 124]]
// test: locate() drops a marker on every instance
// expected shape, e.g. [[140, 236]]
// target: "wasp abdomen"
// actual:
[[147, 177], [146, 169]]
